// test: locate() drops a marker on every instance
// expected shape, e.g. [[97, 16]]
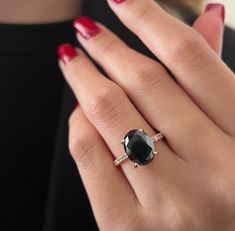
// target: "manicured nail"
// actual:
[[119, 1], [77, 105], [86, 27], [217, 8], [66, 52]]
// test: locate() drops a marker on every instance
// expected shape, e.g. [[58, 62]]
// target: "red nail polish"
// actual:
[[77, 105], [86, 27], [119, 1], [216, 7], [66, 52]]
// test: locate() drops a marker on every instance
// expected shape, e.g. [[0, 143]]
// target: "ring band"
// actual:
[[139, 147]]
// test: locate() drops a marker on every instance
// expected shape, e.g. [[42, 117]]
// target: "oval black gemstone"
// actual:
[[139, 147]]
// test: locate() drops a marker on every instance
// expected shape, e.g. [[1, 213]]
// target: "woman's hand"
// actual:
[[190, 185]]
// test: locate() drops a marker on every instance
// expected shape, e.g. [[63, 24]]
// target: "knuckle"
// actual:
[[102, 105], [142, 15], [108, 46], [187, 48], [80, 147], [146, 76]]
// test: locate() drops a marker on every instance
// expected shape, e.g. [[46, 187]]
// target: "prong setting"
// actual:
[[155, 153], [136, 165], [139, 147]]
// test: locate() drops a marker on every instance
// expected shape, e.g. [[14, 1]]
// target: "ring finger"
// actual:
[[87, 155]]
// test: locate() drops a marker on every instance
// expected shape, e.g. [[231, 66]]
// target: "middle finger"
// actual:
[[113, 115], [163, 103]]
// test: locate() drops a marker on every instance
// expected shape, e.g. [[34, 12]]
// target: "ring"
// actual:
[[139, 147]]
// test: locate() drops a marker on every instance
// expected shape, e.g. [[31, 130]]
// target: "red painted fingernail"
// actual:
[[66, 52], [86, 27], [119, 1], [77, 104], [216, 7]]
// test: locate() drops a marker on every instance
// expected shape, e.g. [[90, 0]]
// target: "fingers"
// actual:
[[162, 102], [113, 115], [211, 27], [107, 188], [186, 54]]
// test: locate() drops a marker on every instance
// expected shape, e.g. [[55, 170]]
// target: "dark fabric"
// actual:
[[31, 91], [40, 186]]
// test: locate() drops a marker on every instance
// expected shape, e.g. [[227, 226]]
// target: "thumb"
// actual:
[[211, 26]]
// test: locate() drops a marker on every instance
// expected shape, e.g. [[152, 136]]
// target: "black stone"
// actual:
[[139, 147]]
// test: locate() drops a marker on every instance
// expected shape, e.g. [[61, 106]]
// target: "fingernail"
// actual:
[[216, 7], [86, 27], [119, 1], [66, 52], [77, 104]]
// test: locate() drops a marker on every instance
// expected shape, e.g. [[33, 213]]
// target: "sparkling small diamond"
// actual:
[[139, 147]]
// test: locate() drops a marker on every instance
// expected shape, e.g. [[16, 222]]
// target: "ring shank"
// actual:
[[157, 137], [120, 159]]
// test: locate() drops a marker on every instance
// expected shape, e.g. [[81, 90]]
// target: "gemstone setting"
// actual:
[[139, 147]]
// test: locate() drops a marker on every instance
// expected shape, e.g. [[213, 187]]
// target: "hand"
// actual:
[[190, 185]]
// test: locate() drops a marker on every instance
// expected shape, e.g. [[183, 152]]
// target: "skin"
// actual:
[[34, 11], [190, 185]]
